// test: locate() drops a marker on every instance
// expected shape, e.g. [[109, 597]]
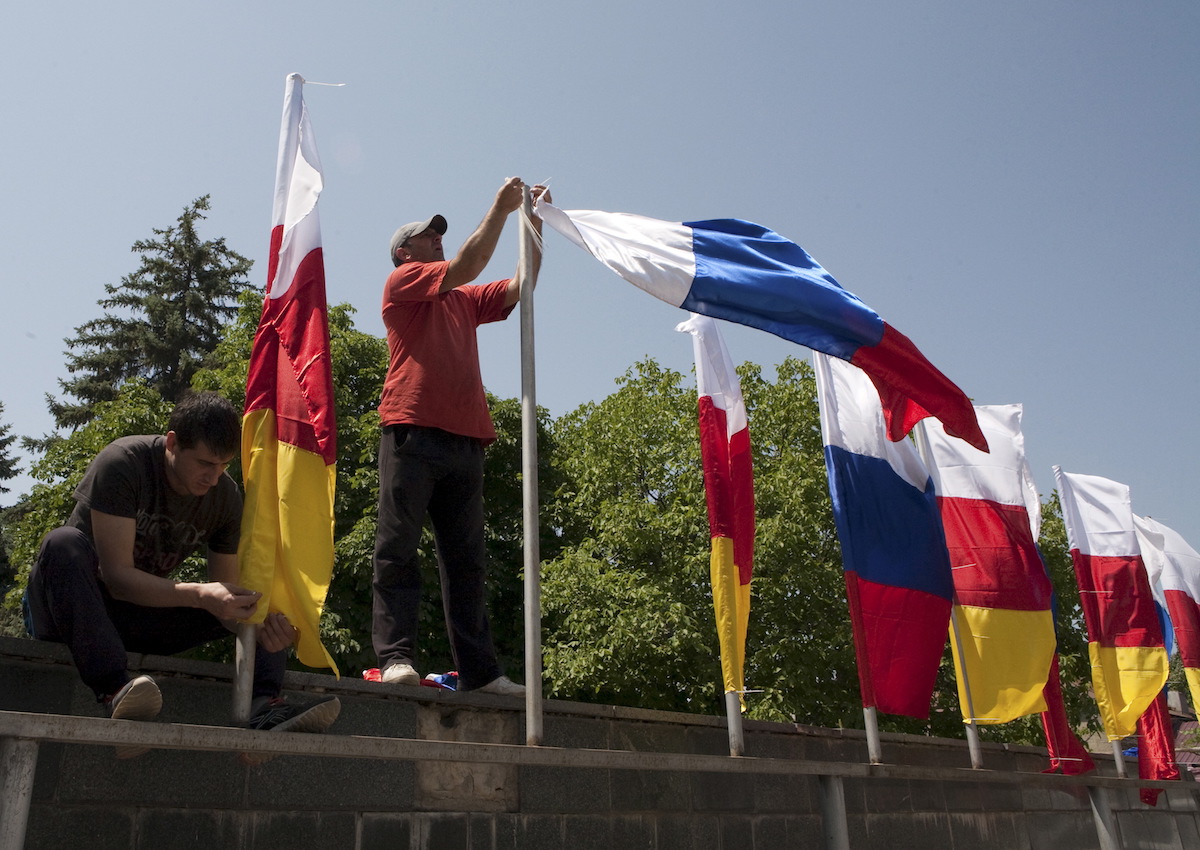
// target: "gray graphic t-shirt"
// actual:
[[129, 479]]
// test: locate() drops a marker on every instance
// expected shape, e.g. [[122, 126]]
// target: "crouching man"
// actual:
[[102, 583]]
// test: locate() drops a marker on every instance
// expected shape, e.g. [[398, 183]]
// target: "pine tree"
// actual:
[[8, 463], [160, 322]]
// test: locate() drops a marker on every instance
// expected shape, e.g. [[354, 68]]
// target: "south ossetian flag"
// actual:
[[1176, 566], [289, 436], [1125, 641], [744, 273], [990, 513], [897, 569], [729, 489]]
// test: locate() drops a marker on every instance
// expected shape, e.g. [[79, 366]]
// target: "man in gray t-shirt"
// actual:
[[102, 584]]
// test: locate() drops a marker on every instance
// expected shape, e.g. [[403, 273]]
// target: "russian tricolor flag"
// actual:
[[894, 554], [744, 273]]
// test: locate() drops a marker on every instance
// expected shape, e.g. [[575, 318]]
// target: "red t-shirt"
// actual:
[[433, 377]]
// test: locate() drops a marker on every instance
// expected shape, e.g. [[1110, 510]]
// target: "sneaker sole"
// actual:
[[315, 720], [143, 701]]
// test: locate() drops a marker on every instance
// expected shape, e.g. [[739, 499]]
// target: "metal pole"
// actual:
[[529, 483], [833, 812], [973, 746], [1107, 833], [1118, 758], [243, 671], [871, 720], [733, 715], [19, 759]]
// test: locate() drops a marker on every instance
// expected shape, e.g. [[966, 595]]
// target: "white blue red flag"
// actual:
[[744, 273], [897, 568]]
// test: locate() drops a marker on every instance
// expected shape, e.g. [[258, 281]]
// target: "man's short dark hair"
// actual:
[[209, 418]]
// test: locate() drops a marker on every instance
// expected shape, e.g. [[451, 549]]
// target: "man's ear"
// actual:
[[172, 442]]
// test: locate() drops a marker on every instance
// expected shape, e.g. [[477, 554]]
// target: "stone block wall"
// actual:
[[84, 797]]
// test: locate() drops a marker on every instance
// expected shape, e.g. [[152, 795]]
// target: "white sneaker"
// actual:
[[140, 699], [503, 687], [400, 674]]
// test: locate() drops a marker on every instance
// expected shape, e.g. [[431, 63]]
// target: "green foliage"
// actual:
[[629, 603], [8, 463], [168, 318], [136, 409]]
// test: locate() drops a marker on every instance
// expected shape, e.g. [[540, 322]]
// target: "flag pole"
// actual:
[[1118, 758], [733, 716], [243, 671], [871, 720], [960, 669], [529, 481]]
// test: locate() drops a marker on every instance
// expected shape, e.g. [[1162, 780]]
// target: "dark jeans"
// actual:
[[429, 471], [68, 603]]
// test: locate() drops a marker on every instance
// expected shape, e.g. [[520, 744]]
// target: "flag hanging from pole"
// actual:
[[990, 513], [289, 439], [729, 489], [1067, 753], [744, 273], [1125, 641], [1175, 566], [897, 569]]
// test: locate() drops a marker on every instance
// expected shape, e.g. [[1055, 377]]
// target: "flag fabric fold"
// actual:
[[729, 489], [289, 438], [990, 510], [1125, 641], [1175, 567], [897, 568], [745, 273], [1156, 747], [1067, 753]]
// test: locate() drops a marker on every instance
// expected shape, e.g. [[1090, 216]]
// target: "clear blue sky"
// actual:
[[1012, 185]]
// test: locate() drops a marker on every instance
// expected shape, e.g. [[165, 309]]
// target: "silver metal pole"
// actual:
[[18, 757], [833, 812], [243, 671], [733, 715], [529, 483], [1118, 759], [1107, 832], [973, 746], [871, 721]]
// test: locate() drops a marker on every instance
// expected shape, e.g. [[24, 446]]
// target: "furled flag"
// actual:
[[894, 553], [742, 272], [1176, 567], [1125, 642], [990, 508], [729, 488], [288, 431]]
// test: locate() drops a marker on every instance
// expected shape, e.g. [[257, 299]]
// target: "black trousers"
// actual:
[[429, 471], [68, 603]]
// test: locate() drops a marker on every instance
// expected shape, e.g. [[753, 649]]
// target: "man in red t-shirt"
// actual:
[[435, 426]]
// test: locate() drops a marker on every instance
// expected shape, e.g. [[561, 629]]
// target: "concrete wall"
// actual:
[[84, 797]]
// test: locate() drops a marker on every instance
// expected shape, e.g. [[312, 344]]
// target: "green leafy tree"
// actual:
[[628, 604], [136, 409], [160, 322]]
